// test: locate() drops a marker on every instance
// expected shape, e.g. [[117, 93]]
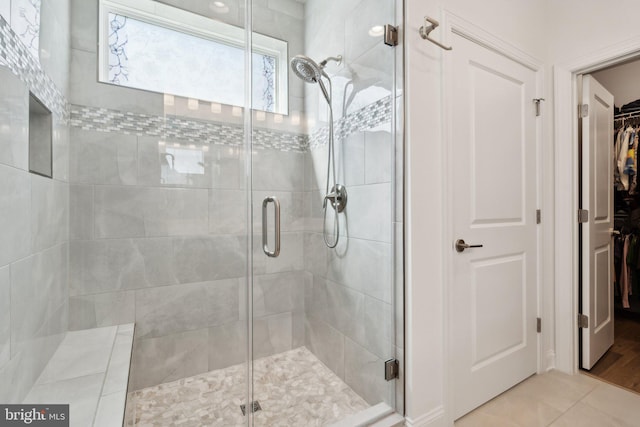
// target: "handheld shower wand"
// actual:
[[311, 72]]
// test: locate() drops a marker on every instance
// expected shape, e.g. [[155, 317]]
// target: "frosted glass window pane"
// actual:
[[5, 10], [150, 57], [264, 89], [25, 22]]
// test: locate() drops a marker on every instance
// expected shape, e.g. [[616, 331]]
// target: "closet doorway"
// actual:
[[618, 362]]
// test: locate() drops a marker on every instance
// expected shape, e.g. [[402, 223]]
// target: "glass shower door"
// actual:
[[160, 193], [325, 218]]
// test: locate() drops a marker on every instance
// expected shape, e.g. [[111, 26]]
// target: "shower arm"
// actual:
[[337, 59]]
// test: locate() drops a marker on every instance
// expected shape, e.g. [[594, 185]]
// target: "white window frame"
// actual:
[[165, 16]]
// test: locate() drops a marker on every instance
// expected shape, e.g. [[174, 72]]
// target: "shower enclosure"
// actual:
[[206, 198]]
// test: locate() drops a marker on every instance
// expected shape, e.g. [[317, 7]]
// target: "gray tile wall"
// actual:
[[34, 299], [172, 257], [165, 248], [351, 298]]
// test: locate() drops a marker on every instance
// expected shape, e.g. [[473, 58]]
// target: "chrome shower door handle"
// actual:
[[265, 240]]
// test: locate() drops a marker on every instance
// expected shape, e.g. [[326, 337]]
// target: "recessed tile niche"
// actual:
[[40, 140]]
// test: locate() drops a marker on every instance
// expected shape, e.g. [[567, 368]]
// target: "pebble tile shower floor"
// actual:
[[293, 388]]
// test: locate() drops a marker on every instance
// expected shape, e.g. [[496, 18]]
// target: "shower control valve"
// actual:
[[337, 197]]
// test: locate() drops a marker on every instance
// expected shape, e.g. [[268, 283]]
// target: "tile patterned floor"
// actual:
[[558, 400], [294, 389]]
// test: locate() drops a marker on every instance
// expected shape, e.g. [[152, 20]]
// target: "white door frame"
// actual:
[[566, 102], [454, 24]]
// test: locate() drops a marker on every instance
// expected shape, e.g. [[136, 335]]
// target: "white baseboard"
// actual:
[[549, 362], [433, 418]]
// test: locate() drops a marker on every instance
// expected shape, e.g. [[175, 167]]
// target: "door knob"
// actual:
[[461, 245]]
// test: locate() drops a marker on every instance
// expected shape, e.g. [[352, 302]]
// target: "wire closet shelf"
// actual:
[[630, 117]]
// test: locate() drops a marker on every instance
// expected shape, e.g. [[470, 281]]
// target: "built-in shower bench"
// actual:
[[89, 371]]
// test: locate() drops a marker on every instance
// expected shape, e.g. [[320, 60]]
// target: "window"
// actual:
[[151, 46]]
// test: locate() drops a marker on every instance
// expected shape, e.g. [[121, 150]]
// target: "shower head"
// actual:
[[311, 72], [306, 68]]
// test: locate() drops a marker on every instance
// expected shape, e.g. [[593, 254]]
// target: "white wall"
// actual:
[[517, 22], [579, 27], [623, 81]]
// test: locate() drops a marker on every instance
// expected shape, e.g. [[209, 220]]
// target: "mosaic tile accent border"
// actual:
[[20, 60], [368, 117], [17, 57], [204, 132], [180, 128]]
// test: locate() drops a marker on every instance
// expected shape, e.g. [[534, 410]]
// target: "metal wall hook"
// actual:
[[431, 24]]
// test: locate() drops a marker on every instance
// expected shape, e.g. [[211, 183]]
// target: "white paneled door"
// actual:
[[597, 198], [494, 201]]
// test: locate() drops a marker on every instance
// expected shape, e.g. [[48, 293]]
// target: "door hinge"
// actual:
[[583, 216], [538, 216], [583, 321], [537, 102], [390, 35], [539, 325], [391, 369], [583, 111]]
